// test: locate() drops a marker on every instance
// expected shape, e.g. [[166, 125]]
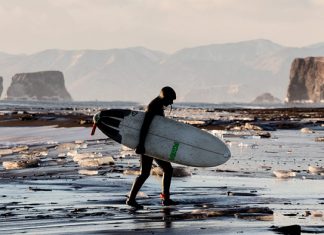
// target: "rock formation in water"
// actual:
[[1, 86], [266, 98], [45, 85], [306, 80]]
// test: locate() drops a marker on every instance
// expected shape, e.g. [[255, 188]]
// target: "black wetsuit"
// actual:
[[154, 108]]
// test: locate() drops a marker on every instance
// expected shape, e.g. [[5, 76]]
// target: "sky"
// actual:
[[30, 26]]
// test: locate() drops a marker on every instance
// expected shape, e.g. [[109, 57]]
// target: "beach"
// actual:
[[57, 179]]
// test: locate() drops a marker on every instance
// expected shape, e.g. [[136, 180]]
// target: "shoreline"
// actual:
[[285, 118]]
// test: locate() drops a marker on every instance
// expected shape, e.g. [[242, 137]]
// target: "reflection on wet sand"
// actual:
[[78, 184]]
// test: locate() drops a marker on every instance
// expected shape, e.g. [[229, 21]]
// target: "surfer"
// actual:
[[156, 107]]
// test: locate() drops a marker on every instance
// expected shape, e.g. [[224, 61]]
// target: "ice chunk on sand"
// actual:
[[283, 174], [316, 169], [79, 141], [307, 130], [4, 152], [90, 160], [88, 172], [317, 213], [177, 171], [66, 146], [11, 165], [77, 157], [107, 160], [9, 151]]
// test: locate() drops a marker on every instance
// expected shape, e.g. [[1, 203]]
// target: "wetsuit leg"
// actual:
[[167, 176], [146, 165]]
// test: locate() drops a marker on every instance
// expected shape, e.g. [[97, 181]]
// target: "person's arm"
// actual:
[[140, 149]]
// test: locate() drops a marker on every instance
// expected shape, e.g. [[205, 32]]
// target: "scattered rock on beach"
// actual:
[[27, 117], [288, 230], [241, 194], [307, 213]]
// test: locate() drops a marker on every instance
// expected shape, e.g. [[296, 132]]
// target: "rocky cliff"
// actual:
[[46, 85], [1, 86], [306, 80], [230, 72]]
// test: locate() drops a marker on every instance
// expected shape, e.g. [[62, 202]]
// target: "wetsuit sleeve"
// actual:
[[145, 127], [154, 108]]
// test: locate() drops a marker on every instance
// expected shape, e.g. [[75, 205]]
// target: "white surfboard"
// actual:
[[167, 139]]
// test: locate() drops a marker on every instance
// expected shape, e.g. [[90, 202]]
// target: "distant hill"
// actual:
[[232, 72]]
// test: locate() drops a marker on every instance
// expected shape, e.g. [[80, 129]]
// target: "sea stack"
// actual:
[[1, 85], [266, 98], [45, 85], [306, 80]]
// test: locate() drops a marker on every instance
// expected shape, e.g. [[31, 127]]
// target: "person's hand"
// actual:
[[140, 149]]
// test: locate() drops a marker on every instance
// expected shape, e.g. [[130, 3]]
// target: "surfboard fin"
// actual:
[[93, 129]]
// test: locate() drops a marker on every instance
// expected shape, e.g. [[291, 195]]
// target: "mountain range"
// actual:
[[230, 72]]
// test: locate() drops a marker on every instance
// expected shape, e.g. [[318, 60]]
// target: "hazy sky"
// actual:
[[28, 26]]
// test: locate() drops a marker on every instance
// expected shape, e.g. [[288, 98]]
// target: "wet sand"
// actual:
[[241, 196]]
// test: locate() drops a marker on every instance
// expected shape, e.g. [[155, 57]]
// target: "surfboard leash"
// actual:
[[93, 129]]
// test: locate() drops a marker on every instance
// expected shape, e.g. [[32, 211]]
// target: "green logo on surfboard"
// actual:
[[174, 151]]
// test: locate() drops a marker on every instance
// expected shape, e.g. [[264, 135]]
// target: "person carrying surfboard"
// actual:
[[155, 107]]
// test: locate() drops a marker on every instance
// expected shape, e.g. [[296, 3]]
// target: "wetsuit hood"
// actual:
[[168, 93]]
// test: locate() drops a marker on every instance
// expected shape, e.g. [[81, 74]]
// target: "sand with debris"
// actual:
[[57, 180]]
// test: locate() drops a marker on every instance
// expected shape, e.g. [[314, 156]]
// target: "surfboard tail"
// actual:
[[108, 122]]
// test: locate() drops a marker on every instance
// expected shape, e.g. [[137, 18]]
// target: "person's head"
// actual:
[[167, 94]]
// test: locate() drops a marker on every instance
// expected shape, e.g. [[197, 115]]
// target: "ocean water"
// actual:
[[55, 105], [96, 105]]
